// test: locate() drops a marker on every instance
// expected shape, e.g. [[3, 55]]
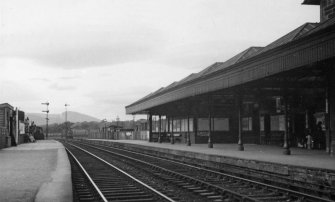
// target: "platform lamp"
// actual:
[[47, 119], [66, 126], [104, 129], [117, 127]]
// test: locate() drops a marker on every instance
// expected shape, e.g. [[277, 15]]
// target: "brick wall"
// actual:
[[327, 9]]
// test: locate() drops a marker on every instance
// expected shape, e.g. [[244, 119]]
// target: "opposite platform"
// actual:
[[35, 172], [274, 154], [306, 166]]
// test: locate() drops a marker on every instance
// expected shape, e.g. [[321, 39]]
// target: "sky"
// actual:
[[99, 56]]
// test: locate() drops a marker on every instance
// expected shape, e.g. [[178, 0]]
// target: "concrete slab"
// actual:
[[35, 172]]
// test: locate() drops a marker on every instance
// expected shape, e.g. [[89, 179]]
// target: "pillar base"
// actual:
[[210, 145], [287, 151], [172, 141], [240, 147], [188, 143]]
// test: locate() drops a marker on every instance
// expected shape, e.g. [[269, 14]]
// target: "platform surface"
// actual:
[[35, 172], [274, 154]]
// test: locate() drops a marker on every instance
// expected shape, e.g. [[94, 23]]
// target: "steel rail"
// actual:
[[244, 197], [223, 174], [88, 176], [128, 175]]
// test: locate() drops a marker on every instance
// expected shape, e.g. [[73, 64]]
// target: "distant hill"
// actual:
[[74, 117]]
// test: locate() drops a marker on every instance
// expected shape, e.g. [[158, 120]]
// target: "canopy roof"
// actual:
[[302, 46]]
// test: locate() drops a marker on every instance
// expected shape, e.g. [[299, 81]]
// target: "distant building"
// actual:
[[12, 127]]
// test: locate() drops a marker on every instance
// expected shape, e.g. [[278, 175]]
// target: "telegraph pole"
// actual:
[[47, 119], [66, 126]]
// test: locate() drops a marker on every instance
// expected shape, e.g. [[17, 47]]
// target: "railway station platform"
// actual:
[[310, 166], [36, 172]]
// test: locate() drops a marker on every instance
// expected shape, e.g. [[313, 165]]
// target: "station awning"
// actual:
[[306, 45]]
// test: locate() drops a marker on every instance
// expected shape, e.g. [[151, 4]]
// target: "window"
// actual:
[[277, 123], [176, 125], [184, 125], [261, 123], [156, 125], [247, 123], [191, 124], [166, 125], [170, 125], [203, 124], [221, 124]]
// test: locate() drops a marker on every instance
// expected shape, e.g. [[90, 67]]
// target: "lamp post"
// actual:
[[117, 126], [66, 127], [104, 129], [47, 119]]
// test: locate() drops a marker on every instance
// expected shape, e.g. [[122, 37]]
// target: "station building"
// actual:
[[12, 127], [282, 94]]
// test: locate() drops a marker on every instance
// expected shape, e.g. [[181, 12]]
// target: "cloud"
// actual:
[[85, 46], [56, 86], [40, 79], [95, 56], [199, 55], [11, 91], [68, 77]]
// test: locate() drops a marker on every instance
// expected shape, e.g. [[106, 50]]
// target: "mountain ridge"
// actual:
[[39, 118]]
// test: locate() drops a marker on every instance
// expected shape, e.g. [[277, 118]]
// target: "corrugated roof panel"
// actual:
[[250, 52], [209, 69], [188, 78], [236, 59], [306, 29], [212, 68], [320, 26], [291, 36], [171, 85]]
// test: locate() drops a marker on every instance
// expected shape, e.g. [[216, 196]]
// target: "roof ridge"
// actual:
[[244, 54], [240, 55], [301, 28], [318, 25]]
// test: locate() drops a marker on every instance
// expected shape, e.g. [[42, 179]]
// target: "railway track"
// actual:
[[94, 179], [213, 185]]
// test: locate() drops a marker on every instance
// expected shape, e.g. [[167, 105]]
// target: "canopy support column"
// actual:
[[210, 143], [171, 134], [188, 143], [286, 145], [240, 108], [150, 128], [160, 129], [331, 105]]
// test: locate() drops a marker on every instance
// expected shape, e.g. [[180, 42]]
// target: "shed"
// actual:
[[6, 124]]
